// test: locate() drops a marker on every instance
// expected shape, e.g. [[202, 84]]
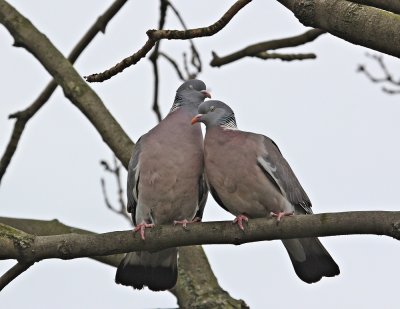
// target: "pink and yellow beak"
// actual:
[[197, 118]]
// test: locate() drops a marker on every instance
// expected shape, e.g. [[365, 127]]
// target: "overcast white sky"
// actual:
[[338, 131]]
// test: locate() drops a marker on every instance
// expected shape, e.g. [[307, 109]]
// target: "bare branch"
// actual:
[[255, 49], [388, 5], [358, 24], [116, 171], [195, 59], [24, 116], [74, 87], [156, 35], [285, 57], [13, 273], [154, 60], [174, 64], [30, 248], [387, 76]]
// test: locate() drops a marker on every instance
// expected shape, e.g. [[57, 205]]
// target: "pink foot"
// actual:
[[186, 222], [281, 214], [239, 220], [141, 227]]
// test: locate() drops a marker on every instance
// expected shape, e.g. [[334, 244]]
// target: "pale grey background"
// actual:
[[338, 131]]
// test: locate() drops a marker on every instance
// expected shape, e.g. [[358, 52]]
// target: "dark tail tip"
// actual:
[[138, 276], [315, 267]]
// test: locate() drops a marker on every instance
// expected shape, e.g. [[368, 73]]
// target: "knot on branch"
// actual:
[[64, 248], [396, 230], [304, 10]]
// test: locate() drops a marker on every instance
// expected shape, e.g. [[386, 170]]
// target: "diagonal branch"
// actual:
[[254, 50], [16, 244], [13, 273], [75, 88], [155, 35], [22, 117]]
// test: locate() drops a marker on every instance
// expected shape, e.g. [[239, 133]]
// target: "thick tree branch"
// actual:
[[156, 35], [24, 116], [358, 24], [74, 87], [388, 5], [254, 50], [16, 244]]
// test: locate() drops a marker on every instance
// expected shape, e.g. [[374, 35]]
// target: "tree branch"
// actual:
[[255, 49], [156, 35], [13, 273], [29, 248], [388, 5], [22, 117], [387, 78], [285, 57], [358, 24]]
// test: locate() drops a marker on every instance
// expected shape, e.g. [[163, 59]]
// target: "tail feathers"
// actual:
[[158, 271], [311, 261]]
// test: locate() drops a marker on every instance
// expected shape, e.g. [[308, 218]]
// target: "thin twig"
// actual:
[[156, 35], [174, 64], [255, 49], [154, 60], [195, 59], [386, 78], [24, 116], [116, 171], [13, 273]]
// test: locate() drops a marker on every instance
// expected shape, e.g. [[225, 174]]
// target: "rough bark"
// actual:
[[358, 24]]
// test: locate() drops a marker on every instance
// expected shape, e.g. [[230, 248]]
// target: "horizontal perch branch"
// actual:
[[25, 247]]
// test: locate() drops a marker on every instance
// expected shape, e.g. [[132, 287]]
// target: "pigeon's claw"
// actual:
[[239, 220], [186, 222], [281, 214], [141, 227]]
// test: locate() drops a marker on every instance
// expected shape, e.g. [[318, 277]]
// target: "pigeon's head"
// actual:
[[191, 91], [215, 113]]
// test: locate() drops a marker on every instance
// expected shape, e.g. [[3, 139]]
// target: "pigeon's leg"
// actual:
[[141, 227], [185, 222], [239, 220], [281, 214]]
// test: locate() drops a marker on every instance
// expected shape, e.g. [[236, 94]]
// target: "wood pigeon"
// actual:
[[165, 186], [248, 176]]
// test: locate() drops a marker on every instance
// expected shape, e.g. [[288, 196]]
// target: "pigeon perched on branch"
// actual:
[[248, 176], [165, 186]]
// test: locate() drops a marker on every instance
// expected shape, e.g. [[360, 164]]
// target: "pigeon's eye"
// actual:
[[212, 108]]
